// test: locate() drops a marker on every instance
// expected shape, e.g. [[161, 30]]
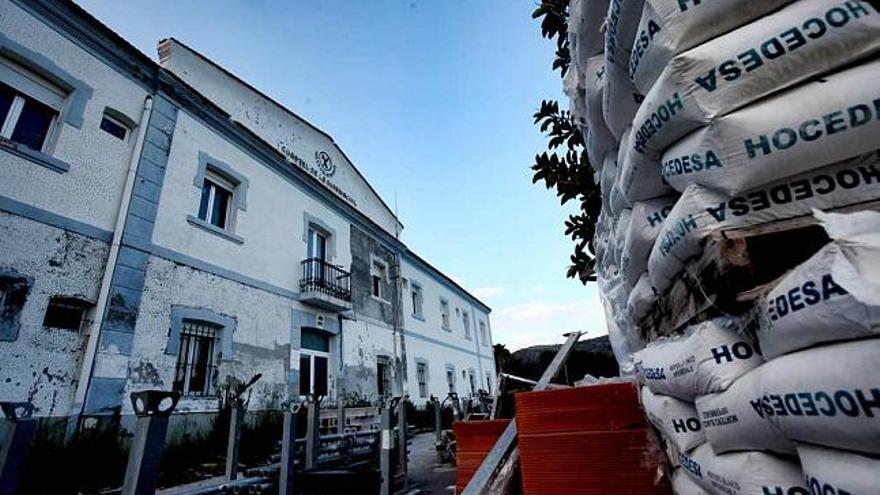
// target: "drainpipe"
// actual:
[[88, 364]]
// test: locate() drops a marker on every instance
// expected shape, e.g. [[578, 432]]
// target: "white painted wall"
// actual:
[[272, 224], [90, 192], [422, 335], [275, 125]]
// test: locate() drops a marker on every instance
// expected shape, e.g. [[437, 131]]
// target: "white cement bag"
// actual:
[[598, 139], [621, 100], [638, 180], [834, 295], [806, 38], [573, 87], [835, 472], [669, 27], [701, 211], [683, 484], [641, 298], [645, 225], [621, 227], [826, 395], [810, 126], [675, 418], [609, 173], [743, 473], [732, 424], [585, 21], [706, 359]]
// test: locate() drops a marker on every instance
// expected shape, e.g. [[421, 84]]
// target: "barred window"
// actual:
[[450, 378], [422, 377], [196, 372]]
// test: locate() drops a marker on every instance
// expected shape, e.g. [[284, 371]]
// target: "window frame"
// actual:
[[417, 294], [484, 334], [384, 382], [13, 117], [378, 274], [213, 182], [313, 355], [422, 378], [68, 303], [117, 122], [223, 175], [466, 321], [451, 385], [198, 331], [445, 316]]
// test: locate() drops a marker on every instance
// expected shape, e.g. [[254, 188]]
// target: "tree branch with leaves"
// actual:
[[565, 165]]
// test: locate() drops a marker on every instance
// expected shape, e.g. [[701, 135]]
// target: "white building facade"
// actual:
[[167, 226]]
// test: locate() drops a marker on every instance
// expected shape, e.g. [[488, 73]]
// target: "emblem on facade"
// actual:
[[325, 163]]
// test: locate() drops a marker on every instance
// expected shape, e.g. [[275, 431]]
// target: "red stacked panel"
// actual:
[[586, 440], [473, 440]]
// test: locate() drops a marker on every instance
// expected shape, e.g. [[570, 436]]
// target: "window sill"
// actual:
[[198, 222], [37, 157], [446, 329], [418, 317], [379, 299]]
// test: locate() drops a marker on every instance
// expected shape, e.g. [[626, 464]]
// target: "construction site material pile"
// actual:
[[738, 247]]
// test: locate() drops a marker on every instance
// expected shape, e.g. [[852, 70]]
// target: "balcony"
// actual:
[[325, 286]]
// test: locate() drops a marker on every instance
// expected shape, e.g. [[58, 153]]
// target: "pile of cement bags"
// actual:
[[703, 116]]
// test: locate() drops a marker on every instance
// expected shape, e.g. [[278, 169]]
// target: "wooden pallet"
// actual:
[[737, 266]]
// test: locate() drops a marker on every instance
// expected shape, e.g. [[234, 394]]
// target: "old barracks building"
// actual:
[[167, 226]]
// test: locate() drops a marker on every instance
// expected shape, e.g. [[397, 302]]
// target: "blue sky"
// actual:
[[432, 101]]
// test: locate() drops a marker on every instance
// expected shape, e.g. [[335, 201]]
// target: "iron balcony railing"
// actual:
[[320, 276]]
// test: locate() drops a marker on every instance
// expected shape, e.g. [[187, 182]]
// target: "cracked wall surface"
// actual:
[[42, 364]]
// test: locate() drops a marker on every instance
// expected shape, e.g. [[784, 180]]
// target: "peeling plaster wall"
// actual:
[[42, 365], [363, 341], [98, 161], [260, 342], [365, 249]]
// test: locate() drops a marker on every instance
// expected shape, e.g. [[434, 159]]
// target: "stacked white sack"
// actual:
[[706, 359], [584, 30], [731, 423], [621, 100], [743, 473], [839, 473], [827, 395], [573, 88], [729, 72], [676, 419], [834, 295], [645, 225], [810, 126], [641, 298], [701, 211], [683, 484], [598, 139], [669, 27]]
